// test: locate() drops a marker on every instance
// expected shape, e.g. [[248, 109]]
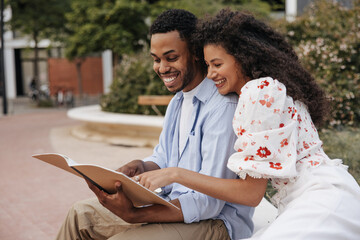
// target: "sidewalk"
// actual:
[[34, 196]]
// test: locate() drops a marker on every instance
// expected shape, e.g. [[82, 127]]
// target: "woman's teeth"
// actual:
[[220, 81]]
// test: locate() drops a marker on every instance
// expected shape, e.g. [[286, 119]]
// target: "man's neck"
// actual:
[[199, 77]]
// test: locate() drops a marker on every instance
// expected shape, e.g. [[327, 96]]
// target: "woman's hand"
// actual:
[[158, 178]]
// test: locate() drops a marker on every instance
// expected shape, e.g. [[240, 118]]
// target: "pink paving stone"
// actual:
[[34, 196]]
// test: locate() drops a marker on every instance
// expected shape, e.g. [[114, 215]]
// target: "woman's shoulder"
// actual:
[[262, 86]]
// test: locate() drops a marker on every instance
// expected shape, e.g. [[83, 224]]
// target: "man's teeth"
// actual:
[[220, 81], [169, 79]]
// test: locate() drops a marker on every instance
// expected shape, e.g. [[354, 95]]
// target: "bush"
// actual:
[[135, 77], [326, 39]]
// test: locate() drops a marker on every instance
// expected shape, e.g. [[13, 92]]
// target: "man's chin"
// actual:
[[175, 89]]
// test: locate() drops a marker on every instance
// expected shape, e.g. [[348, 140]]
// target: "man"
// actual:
[[197, 135]]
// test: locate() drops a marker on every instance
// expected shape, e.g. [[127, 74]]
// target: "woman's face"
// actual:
[[223, 69]]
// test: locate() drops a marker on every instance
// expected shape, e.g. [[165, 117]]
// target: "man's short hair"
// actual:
[[185, 23], [175, 19]]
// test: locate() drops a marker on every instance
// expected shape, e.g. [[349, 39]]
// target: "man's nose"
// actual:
[[164, 67]]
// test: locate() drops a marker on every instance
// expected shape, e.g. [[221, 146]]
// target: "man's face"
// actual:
[[173, 61]]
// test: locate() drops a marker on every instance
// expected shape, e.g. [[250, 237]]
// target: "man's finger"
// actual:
[[118, 186]]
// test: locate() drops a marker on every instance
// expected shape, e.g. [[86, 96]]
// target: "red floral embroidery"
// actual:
[[263, 152], [284, 142], [299, 119], [276, 166], [249, 158], [239, 150], [263, 84], [292, 110], [240, 131], [267, 101], [314, 163], [277, 111], [281, 125], [266, 137], [306, 146]]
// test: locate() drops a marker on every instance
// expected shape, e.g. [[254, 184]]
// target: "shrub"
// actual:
[[326, 39], [135, 77]]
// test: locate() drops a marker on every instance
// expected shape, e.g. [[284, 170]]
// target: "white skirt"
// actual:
[[322, 204]]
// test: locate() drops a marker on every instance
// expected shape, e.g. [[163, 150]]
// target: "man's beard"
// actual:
[[188, 77]]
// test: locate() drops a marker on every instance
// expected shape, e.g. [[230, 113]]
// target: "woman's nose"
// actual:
[[211, 73]]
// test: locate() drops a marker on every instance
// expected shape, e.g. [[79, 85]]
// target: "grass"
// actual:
[[343, 144]]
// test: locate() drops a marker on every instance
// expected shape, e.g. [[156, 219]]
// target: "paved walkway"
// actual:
[[34, 196]]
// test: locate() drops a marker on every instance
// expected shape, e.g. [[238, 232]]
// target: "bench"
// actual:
[[155, 100]]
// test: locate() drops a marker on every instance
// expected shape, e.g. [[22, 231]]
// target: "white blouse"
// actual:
[[276, 136]]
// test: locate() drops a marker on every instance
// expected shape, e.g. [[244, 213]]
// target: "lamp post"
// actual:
[[2, 62]]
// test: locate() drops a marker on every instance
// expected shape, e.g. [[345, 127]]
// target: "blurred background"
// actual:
[[62, 54]]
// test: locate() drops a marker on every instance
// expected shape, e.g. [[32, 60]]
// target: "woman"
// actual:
[[279, 106]]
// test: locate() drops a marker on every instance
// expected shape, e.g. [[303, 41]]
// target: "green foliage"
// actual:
[[209, 7], [326, 39], [40, 18], [135, 77], [118, 25]]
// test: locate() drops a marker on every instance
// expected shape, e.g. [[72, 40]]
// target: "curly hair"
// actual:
[[185, 23], [262, 52]]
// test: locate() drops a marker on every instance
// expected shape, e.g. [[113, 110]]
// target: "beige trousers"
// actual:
[[88, 219]]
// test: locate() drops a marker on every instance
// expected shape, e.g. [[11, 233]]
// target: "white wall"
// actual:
[[107, 70], [290, 10]]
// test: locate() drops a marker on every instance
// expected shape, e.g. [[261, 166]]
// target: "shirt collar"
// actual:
[[205, 90]]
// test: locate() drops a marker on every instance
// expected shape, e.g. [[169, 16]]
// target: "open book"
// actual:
[[105, 179]]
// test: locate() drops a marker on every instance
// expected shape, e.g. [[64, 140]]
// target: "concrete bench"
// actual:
[[116, 128], [155, 100]]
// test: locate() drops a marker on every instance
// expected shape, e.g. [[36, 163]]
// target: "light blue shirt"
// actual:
[[209, 144]]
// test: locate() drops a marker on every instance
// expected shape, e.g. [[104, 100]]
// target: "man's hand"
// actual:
[[118, 203], [137, 167], [133, 168], [121, 206]]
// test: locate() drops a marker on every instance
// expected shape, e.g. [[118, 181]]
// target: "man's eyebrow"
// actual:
[[164, 54], [170, 51]]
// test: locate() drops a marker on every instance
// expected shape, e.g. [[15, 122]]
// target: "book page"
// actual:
[[105, 179]]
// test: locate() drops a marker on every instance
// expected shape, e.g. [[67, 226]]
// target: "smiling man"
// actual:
[[197, 135]]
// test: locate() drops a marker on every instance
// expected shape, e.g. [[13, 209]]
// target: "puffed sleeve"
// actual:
[[265, 122]]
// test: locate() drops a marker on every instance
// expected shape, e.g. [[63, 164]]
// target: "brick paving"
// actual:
[[34, 196]]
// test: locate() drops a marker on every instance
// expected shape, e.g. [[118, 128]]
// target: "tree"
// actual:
[[118, 25], [39, 19], [95, 26], [203, 7]]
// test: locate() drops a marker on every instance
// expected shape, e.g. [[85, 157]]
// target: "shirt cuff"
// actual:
[[188, 208], [153, 159]]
